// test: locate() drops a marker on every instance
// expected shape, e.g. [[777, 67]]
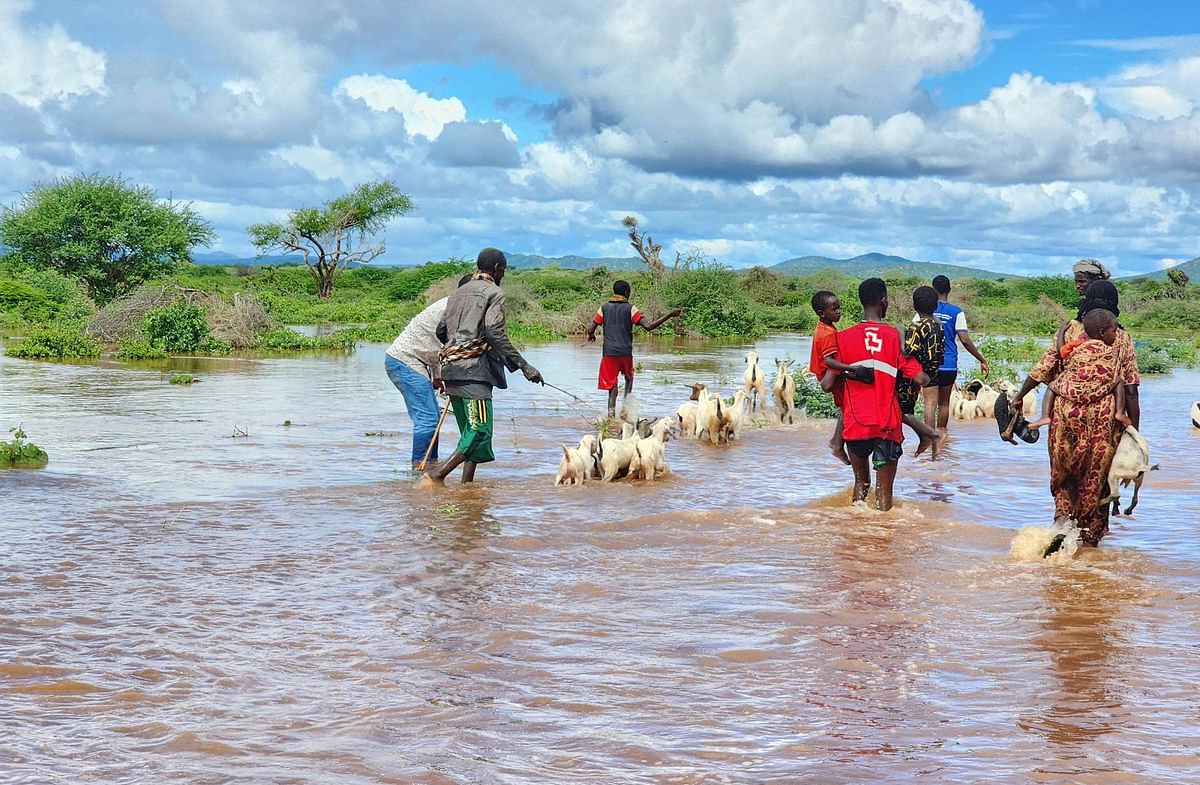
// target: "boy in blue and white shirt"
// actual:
[[937, 391]]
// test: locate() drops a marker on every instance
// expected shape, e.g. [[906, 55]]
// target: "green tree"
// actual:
[[103, 231], [1179, 282], [337, 235]]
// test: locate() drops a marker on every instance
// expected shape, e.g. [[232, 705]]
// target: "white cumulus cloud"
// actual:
[[43, 63], [423, 114]]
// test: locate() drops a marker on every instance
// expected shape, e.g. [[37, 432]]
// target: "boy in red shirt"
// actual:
[[873, 427]]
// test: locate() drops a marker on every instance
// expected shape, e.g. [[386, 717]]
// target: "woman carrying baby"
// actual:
[[1088, 377]]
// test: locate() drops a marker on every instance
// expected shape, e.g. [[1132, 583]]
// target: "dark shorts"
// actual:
[[611, 367], [881, 451], [943, 379]]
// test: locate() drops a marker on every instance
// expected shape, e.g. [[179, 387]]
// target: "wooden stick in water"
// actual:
[[429, 450]]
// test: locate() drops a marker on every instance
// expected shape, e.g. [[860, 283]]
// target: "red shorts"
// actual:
[[611, 366]]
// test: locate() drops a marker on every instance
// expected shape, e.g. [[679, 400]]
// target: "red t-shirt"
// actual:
[[824, 343], [871, 410]]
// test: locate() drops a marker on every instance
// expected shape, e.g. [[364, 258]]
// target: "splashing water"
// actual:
[[1032, 542], [631, 409]]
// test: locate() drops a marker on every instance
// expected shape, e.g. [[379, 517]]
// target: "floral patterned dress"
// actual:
[[1083, 433]]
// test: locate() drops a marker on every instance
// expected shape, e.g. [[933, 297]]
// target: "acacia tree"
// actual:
[[646, 247], [110, 235], [337, 235]]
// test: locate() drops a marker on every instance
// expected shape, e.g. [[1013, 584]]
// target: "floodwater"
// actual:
[[179, 605]]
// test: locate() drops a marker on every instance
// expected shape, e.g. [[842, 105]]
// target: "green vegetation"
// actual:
[[336, 235], [179, 327], [139, 349], [811, 399], [55, 343], [102, 231], [21, 454], [218, 310], [182, 378]]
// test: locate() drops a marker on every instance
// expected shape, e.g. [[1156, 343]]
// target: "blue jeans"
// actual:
[[421, 402]]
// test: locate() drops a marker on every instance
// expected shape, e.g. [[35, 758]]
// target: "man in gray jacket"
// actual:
[[476, 351]]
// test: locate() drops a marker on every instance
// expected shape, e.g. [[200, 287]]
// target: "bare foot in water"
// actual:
[[938, 441], [923, 443], [1038, 423]]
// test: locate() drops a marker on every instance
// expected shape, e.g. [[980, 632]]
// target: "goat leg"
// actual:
[[1137, 487]]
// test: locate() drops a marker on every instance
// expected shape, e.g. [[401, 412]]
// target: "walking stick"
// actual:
[[429, 450]]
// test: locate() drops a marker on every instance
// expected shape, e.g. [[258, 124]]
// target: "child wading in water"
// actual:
[[925, 341], [618, 317], [873, 426], [824, 364]]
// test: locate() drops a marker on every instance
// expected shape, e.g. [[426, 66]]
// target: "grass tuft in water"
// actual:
[[183, 378], [21, 454]]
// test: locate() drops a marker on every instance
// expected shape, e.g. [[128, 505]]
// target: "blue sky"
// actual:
[[1016, 136]]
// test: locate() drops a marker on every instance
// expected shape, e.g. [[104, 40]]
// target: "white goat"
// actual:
[[686, 415], [734, 417], [785, 391], [1196, 414], [578, 463], [650, 452], [755, 385], [1129, 465], [617, 454], [711, 416]]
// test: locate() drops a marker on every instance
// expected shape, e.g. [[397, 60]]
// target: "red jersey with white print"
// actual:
[[871, 410]]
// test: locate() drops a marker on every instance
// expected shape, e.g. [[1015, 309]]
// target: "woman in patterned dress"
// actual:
[[1083, 433]]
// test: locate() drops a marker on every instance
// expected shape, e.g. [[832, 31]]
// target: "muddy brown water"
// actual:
[[181, 606]]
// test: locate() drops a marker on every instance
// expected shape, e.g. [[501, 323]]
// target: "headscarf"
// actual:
[[1093, 268], [1100, 294]]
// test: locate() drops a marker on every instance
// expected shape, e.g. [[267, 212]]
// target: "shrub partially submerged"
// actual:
[[55, 343], [20, 454]]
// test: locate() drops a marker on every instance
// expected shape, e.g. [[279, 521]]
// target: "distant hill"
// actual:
[[870, 264], [225, 259], [1192, 269], [531, 261]]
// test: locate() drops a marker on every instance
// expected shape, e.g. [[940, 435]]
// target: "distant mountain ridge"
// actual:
[[861, 266], [869, 264], [521, 261], [1192, 269]]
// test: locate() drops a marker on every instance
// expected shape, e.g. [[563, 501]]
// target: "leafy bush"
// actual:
[[214, 347], [715, 304], [1058, 288], [1152, 362], [20, 454], [1178, 352], [179, 327], [27, 302], [815, 402], [1166, 314], [55, 343], [413, 281], [283, 339], [139, 349], [1019, 351]]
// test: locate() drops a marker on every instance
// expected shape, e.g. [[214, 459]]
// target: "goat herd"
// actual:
[[640, 451]]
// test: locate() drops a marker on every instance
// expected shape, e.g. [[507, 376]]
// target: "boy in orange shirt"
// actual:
[[823, 359]]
